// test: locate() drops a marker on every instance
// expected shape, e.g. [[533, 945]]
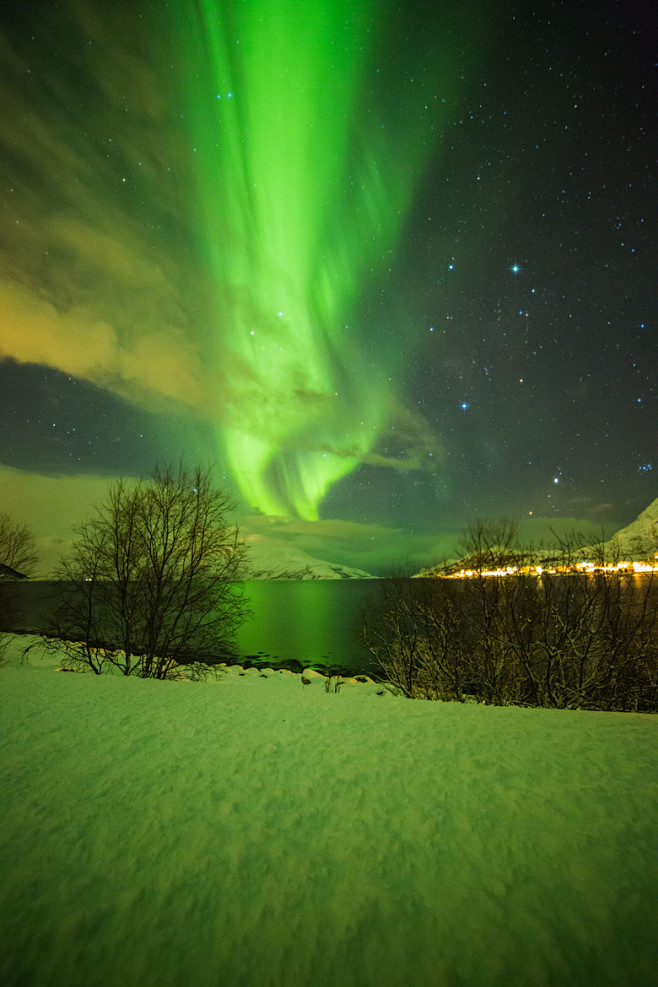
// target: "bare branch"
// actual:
[[17, 546], [150, 583]]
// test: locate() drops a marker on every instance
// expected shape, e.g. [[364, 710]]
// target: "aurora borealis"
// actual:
[[271, 152], [386, 267], [303, 187]]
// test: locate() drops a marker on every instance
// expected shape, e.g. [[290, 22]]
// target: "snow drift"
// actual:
[[258, 831]]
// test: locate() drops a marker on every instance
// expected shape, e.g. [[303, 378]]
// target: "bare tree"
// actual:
[[507, 635], [17, 552], [17, 547], [151, 581], [488, 544]]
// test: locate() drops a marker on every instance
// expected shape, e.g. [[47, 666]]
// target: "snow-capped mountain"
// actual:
[[269, 558], [639, 539]]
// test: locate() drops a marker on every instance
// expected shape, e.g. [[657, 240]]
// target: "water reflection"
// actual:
[[308, 620]]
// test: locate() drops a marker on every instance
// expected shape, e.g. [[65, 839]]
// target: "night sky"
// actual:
[[384, 266]]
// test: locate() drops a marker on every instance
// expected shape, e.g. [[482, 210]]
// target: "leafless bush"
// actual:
[[9, 611], [563, 641], [150, 583], [17, 546]]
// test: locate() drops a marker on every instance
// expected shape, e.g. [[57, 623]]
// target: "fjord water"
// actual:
[[313, 621], [310, 621]]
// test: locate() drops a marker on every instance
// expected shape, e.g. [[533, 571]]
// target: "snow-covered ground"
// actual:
[[259, 832], [639, 539]]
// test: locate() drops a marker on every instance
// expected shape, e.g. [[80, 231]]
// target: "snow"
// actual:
[[257, 831], [639, 539]]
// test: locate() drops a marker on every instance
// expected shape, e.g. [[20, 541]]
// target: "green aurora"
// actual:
[[307, 156]]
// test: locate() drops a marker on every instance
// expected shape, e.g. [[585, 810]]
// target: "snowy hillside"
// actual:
[[639, 539], [270, 559], [259, 832]]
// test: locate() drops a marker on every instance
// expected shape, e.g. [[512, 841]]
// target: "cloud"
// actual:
[[336, 529], [383, 550], [146, 368], [547, 529], [91, 281], [33, 331], [375, 548], [407, 442], [51, 506]]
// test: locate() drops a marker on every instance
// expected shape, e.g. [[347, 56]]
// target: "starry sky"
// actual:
[[383, 266]]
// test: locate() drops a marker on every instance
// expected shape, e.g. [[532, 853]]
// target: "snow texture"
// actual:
[[640, 537], [268, 558], [261, 832]]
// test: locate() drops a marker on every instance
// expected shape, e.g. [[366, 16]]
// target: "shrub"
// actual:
[[150, 582], [17, 545], [563, 641]]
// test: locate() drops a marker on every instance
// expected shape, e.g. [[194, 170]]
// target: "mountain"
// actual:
[[269, 558], [639, 539]]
